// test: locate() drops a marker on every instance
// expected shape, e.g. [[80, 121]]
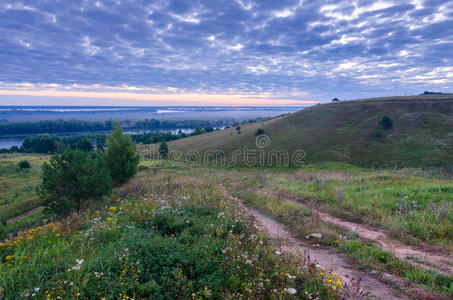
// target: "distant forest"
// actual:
[[61, 126], [49, 144]]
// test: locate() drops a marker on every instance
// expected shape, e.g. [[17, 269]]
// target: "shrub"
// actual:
[[163, 149], [24, 164], [122, 158], [386, 123], [71, 178], [378, 133], [84, 145], [259, 131]]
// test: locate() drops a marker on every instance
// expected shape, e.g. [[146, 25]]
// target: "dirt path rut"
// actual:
[[435, 260], [425, 256], [28, 213], [334, 261]]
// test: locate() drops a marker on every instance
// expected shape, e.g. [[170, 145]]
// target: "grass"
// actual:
[[403, 204], [302, 221], [161, 236], [191, 242], [18, 186], [343, 132]]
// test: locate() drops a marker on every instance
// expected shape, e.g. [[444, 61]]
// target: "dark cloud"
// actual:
[[285, 47]]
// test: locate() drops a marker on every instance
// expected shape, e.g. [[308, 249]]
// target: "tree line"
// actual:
[[49, 144], [65, 126]]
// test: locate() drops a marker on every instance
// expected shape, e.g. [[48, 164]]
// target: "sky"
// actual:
[[221, 52]]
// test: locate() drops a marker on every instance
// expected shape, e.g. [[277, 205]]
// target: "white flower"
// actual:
[[221, 214], [79, 261], [36, 289], [248, 262], [318, 266], [278, 252], [291, 291], [71, 283]]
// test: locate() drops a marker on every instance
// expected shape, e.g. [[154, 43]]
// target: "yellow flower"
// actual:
[[109, 219], [9, 257], [113, 208]]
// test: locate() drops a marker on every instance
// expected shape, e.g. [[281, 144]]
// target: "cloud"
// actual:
[[318, 49]]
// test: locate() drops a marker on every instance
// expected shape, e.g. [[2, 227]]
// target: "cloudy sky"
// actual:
[[221, 52]]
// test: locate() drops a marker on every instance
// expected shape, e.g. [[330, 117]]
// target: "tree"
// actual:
[[84, 145], [43, 143], [163, 149], [121, 155], [71, 178], [386, 123]]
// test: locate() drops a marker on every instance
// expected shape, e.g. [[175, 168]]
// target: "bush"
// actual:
[[259, 131], [378, 133], [24, 164], [386, 123], [163, 149], [122, 158], [71, 178]]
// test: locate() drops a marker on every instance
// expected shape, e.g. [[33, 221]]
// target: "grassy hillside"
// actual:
[[347, 132], [18, 186]]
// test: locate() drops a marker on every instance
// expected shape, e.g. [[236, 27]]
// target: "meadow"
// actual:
[[172, 232], [163, 235]]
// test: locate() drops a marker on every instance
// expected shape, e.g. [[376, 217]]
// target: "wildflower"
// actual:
[[37, 289], [79, 261], [291, 291], [278, 252], [227, 249], [113, 208], [98, 275], [9, 257], [318, 266], [109, 219], [248, 262], [76, 268]]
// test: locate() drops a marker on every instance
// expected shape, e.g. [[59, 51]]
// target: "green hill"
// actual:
[[347, 131]]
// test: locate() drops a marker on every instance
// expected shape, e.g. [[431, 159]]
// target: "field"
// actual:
[[163, 235], [176, 222]]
